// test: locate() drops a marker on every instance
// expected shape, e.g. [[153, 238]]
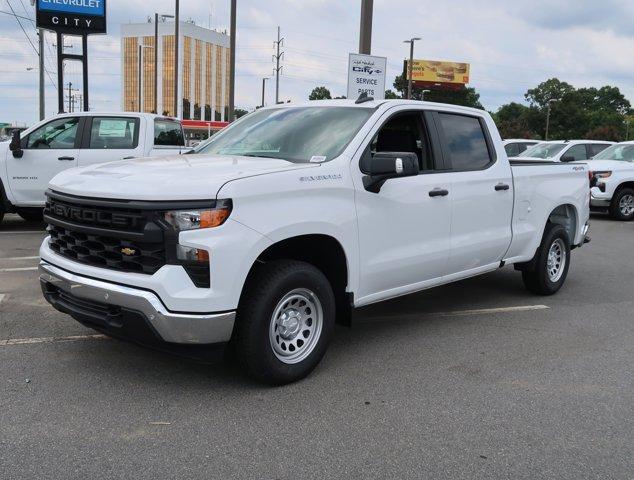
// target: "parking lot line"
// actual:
[[32, 341], [18, 258], [23, 233], [1, 297], [21, 269], [484, 311]]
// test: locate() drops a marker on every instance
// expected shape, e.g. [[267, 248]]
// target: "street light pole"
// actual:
[[156, 40], [232, 61], [41, 48], [176, 34], [365, 31], [550, 102], [410, 66]]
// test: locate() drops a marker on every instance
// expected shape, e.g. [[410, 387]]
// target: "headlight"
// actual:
[[196, 219], [602, 174]]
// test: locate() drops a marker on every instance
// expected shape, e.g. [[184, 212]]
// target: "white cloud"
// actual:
[[512, 46]]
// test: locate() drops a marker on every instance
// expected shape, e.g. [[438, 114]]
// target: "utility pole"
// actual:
[[232, 63], [70, 95], [263, 89], [176, 34], [156, 19], [139, 79], [550, 102], [410, 66], [365, 31], [276, 71], [41, 48]]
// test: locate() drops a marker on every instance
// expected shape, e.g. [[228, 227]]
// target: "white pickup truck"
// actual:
[[296, 214], [33, 157], [612, 181]]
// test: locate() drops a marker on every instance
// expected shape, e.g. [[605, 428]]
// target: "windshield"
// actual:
[[543, 150], [302, 134], [624, 153]]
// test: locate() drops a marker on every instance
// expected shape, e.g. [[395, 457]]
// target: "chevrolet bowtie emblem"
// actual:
[[128, 251]]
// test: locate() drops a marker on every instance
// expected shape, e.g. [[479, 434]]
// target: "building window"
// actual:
[[130, 74], [168, 75]]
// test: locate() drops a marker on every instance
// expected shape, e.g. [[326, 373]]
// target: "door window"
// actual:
[[575, 153], [114, 132], [58, 134], [465, 142], [168, 133], [404, 133]]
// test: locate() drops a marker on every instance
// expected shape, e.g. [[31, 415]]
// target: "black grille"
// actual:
[[106, 234], [107, 252]]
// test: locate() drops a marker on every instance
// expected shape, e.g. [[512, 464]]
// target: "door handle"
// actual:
[[500, 187], [438, 192], [66, 159]]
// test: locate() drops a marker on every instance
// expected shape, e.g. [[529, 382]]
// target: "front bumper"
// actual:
[[130, 313], [599, 199]]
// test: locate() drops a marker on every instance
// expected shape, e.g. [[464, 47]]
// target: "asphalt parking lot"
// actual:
[[479, 379]]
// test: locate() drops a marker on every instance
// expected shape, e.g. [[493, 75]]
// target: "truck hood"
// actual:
[[177, 177]]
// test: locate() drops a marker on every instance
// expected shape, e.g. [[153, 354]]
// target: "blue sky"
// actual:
[[512, 46]]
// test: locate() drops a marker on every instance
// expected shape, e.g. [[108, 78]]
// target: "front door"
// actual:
[[403, 230], [47, 151], [109, 139]]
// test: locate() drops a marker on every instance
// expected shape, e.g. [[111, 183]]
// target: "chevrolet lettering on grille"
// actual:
[[88, 215]]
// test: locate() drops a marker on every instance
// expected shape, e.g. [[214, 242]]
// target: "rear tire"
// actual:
[[32, 214], [552, 261], [622, 205], [284, 322]]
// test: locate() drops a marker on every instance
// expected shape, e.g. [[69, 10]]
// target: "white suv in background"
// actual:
[[565, 150], [612, 181], [515, 146]]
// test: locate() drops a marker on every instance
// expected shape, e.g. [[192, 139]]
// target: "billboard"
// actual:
[[432, 71], [79, 17], [366, 74]]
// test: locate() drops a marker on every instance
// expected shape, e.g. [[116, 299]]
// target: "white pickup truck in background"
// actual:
[[296, 214], [33, 157], [613, 181]]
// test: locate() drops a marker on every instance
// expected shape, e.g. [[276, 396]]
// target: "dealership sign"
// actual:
[[366, 74], [75, 17]]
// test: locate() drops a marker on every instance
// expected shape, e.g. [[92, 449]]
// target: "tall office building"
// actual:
[[203, 79]]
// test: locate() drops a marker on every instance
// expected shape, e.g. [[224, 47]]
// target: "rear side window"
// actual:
[[168, 133], [596, 148], [465, 142], [575, 153], [114, 133], [513, 149]]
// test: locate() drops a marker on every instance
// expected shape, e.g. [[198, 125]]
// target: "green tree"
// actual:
[[320, 93], [551, 89], [515, 120], [240, 112], [391, 95]]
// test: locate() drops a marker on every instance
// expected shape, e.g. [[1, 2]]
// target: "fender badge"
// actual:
[[128, 251]]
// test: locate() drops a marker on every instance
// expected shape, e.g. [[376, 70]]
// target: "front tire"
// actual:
[[285, 321], [552, 261], [622, 205]]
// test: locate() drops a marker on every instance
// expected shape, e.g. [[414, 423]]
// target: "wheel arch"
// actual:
[[567, 216], [324, 252]]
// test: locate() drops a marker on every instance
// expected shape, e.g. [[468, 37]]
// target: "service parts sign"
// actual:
[[81, 17], [366, 74]]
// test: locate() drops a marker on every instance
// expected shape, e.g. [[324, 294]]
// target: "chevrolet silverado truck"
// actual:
[[295, 215], [33, 157], [612, 181]]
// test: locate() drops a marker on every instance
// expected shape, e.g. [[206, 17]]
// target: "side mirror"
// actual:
[[567, 158], [385, 165], [16, 144]]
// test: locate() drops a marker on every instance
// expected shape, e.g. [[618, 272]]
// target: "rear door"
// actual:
[[481, 193], [405, 227], [48, 150], [110, 138]]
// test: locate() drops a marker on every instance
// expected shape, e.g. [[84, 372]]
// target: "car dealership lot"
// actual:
[[479, 379]]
